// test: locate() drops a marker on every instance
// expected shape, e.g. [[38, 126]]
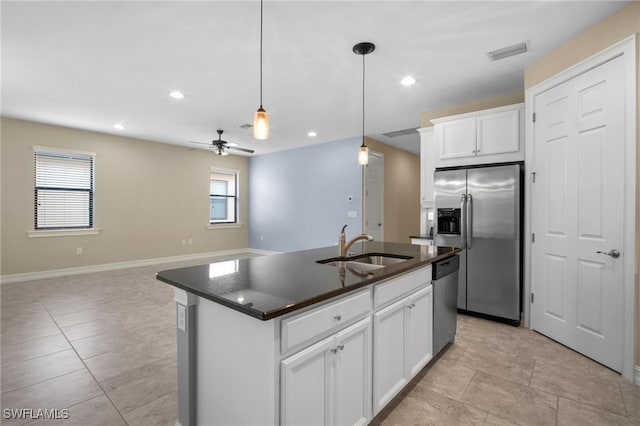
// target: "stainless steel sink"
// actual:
[[365, 262]]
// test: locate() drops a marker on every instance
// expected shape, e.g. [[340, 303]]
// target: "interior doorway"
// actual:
[[374, 196]]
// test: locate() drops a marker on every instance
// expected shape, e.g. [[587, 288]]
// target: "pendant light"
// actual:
[[363, 48], [261, 118]]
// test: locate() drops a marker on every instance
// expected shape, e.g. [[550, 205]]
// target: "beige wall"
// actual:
[[401, 192], [148, 197], [494, 102], [618, 26]]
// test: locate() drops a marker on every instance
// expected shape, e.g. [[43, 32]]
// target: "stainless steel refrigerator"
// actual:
[[479, 209]]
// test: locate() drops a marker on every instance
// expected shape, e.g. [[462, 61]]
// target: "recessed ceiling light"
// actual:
[[176, 94], [408, 81], [118, 126], [312, 134]]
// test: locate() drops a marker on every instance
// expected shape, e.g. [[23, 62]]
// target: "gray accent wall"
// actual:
[[299, 199]]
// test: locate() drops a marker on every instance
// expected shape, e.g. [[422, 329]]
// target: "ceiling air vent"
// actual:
[[400, 133], [246, 126], [505, 52]]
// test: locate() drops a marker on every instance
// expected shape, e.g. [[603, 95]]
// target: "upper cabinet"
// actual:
[[427, 165], [489, 136]]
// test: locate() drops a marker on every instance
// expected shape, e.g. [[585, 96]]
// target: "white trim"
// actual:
[[34, 233], [6, 279], [224, 225], [477, 113], [626, 48], [636, 375]]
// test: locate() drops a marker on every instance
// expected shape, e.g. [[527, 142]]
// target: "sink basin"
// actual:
[[365, 262]]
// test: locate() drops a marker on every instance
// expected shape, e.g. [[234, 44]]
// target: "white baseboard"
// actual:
[[14, 278], [636, 375]]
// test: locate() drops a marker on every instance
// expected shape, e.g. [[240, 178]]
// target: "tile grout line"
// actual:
[[535, 362], [88, 370], [624, 405]]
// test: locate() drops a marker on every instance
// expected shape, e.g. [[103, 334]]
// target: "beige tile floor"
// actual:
[[103, 346]]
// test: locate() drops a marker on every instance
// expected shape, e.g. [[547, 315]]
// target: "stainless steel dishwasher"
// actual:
[[445, 301]]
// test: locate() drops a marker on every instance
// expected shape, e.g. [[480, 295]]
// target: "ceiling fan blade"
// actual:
[[200, 143], [237, 148]]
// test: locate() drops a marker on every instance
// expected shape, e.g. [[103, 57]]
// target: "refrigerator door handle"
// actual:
[[463, 238], [469, 217]]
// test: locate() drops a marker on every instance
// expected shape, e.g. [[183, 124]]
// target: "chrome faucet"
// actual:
[[344, 246]]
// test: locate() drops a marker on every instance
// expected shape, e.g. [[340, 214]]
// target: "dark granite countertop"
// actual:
[[422, 237], [266, 287]]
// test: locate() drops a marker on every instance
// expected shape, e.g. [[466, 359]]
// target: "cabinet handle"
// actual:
[[411, 306], [337, 317], [333, 350], [341, 346]]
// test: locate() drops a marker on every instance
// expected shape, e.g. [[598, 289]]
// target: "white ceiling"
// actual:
[[90, 64]]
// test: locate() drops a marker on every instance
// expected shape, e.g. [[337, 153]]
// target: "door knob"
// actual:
[[613, 253]]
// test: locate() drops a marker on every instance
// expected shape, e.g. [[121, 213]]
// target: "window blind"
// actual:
[[63, 190]]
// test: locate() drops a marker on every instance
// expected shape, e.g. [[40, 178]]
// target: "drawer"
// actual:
[[394, 289], [319, 322]]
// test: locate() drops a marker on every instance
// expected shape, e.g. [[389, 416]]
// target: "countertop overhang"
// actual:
[[266, 287]]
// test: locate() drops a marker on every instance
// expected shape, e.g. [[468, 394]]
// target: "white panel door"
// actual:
[[388, 353], [577, 212], [305, 386], [419, 331], [352, 396]]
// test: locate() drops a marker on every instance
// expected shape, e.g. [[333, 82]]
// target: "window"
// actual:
[[223, 195], [63, 190]]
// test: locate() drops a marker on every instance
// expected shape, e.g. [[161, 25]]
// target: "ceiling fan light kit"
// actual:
[[221, 147], [261, 118], [363, 48]]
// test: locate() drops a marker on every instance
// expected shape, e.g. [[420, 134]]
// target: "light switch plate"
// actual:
[[352, 213]]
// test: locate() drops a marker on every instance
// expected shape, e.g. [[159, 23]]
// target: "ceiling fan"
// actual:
[[221, 147]]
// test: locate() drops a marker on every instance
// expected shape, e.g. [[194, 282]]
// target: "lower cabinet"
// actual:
[[402, 344], [329, 383]]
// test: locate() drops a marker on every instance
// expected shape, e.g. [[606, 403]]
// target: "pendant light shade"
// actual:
[[363, 155], [261, 118], [261, 124], [363, 48]]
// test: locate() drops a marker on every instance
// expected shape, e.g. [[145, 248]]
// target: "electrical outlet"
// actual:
[[352, 213], [190, 241], [182, 317], [184, 242], [78, 250]]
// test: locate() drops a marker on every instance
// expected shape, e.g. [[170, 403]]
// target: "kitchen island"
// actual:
[[284, 339]]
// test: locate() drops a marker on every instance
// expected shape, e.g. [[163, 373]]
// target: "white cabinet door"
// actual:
[[457, 138], [498, 133], [419, 331], [352, 375], [305, 386], [428, 154], [329, 383], [388, 349]]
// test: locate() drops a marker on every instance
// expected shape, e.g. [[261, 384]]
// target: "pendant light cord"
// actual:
[[363, 99], [261, 1]]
